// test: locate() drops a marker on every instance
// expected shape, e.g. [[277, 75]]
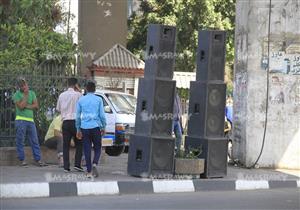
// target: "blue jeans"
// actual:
[[178, 133], [90, 136], [26, 128]]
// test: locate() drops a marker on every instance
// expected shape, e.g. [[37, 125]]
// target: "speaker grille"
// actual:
[[216, 158], [162, 154], [214, 97], [154, 117], [207, 109], [216, 110], [213, 124], [148, 155]]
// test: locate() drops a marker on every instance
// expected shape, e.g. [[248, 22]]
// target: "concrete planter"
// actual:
[[189, 166]]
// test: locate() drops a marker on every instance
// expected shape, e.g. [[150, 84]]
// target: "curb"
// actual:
[[59, 189]]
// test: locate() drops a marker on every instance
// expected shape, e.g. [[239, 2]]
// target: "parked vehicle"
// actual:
[[120, 116]]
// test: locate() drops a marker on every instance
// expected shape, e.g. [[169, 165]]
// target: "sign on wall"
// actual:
[[284, 55]]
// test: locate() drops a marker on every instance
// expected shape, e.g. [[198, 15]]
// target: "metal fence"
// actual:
[[48, 82]]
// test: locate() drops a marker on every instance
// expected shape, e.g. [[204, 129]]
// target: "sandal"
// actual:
[[40, 163]]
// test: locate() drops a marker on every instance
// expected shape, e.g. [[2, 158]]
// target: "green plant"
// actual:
[[190, 153]]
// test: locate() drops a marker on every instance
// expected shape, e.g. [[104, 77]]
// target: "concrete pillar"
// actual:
[[282, 142]]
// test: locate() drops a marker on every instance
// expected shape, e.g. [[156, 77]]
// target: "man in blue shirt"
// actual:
[[90, 125], [177, 129], [228, 110]]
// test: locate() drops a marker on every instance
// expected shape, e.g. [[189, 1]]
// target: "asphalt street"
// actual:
[[256, 199]]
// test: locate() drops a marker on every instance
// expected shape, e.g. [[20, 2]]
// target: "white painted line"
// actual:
[[24, 190], [298, 183], [97, 188], [251, 184], [173, 186]]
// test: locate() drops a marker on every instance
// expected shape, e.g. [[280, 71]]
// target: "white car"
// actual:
[[120, 118]]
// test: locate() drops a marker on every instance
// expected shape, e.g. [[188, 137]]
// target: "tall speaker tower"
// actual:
[[151, 150], [207, 104]]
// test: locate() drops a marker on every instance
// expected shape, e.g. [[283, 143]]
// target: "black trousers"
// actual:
[[69, 132]]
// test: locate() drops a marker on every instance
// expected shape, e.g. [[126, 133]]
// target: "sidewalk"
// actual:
[[51, 181]]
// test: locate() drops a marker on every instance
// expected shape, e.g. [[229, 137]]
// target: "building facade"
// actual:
[[101, 24]]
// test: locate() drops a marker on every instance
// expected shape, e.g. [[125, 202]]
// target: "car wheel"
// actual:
[[114, 150]]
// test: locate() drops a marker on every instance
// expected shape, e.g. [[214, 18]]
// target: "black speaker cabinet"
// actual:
[[160, 51], [155, 107], [214, 151], [207, 109], [150, 155], [211, 55]]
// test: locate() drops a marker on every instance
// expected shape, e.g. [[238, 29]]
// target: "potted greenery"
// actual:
[[189, 162]]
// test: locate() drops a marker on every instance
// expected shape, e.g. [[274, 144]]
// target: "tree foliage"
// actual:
[[188, 16], [28, 38], [29, 46]]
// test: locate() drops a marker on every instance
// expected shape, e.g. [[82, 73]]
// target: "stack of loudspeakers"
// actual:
[[151, 150], [207, 104]]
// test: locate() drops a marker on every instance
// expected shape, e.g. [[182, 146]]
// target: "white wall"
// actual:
[[282, 143], [107, 82]]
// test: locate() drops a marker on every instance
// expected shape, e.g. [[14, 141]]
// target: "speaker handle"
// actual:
[[144, 105], [197, 108], [202, 55], [150, 51], [218, 37]]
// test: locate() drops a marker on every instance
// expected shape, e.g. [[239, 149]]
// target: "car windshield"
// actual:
[[120, 104], [131, 100]]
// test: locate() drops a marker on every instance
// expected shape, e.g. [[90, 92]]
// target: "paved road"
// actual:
[[259, 199]]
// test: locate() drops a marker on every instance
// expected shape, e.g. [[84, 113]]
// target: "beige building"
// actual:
[[101, 24]]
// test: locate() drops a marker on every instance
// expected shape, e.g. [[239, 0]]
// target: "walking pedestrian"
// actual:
[[26, 102], [66, 105], [90, 125]]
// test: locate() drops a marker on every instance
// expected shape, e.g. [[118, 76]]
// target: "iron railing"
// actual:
[[47, 82]]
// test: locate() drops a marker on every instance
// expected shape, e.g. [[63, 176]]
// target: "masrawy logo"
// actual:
[[52, 177], [60, 56], [163, 55], [145, 116], [252, 177], [164, 177]]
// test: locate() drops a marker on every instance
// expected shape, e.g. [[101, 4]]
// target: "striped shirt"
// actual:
[[66, 104]]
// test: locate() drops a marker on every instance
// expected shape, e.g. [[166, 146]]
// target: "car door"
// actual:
[[108, 138]]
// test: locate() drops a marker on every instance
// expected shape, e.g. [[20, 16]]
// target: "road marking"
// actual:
[[251, 184], [173, 186], [298, 183], [24, 190], [97, 188]]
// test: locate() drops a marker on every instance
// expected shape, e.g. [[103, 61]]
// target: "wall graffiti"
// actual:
[[277, 81], [277, 99], [284, 55], [294, 93], [240, 90], [280, 62]]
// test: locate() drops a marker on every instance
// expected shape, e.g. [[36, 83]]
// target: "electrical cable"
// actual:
[[267, 94]]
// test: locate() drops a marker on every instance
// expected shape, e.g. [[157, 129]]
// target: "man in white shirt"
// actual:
[[66, 105]]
